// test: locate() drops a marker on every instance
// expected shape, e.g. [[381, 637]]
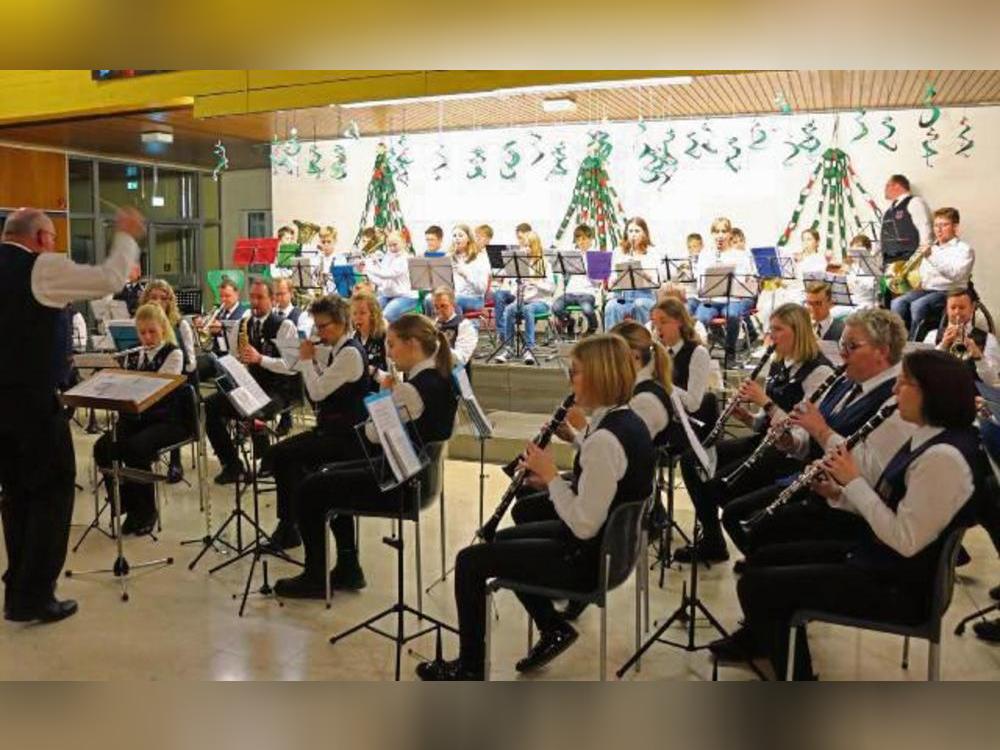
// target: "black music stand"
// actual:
[[679, 270], [722, 282], [632, 277], [567, 263], [517, 266]]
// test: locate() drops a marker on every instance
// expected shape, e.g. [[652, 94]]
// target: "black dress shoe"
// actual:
[[346, 577], [550, 644], [988, 630], [995, 593], [739, 646], [300, 587], [440, 670], [52, 611], [285, 536], [175, 474], [229, 474], [706, 553]]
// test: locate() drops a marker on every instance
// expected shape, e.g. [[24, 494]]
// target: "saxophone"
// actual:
[[243, 336]]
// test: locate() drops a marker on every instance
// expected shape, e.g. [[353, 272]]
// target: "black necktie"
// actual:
[[256, 334], [819, 330]]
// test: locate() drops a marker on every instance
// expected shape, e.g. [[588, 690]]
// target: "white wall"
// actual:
[[760, 198]]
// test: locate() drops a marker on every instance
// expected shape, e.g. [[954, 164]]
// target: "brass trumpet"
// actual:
[[960, 346], [204, 335]]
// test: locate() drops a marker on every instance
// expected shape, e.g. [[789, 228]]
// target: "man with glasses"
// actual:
[[871, 347], [37, 463]]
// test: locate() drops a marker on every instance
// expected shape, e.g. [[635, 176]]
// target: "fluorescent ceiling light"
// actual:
[[157, 136], [520, 90], [559, 104]]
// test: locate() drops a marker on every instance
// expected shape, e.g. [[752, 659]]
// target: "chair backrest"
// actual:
[[944, 579], [191, 404], [621, 540], [431, 485]]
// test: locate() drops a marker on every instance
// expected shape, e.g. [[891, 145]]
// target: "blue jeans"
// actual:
[[586, 304], [914, 306], [462, 305], [635, 304], [530, 309], [692, 305], [735, 310], [394, 308], [501, 298]]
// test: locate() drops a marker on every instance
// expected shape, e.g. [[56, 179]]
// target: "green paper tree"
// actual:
[[382, 209], [838, 180], [594, 201]]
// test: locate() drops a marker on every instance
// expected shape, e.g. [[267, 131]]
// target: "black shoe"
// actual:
[[230, 474], [712, 552], [995, 593], [285, 536], [300, 587], [739, 646], [573, 610], [175, 474], [988, 630], [440, 670], [550, 644], [52, 611], [347, 577]]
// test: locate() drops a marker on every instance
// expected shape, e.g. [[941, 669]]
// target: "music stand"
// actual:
[[123, 392], [839, 289], [255, 253], [429, 273], [517, 266], [631, 276], [678, 270], [343, 279], [498, 254], [720, 282]]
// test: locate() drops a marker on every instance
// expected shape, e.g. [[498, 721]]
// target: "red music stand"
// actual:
[[256, 251]]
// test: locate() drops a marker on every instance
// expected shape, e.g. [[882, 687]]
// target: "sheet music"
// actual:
[[94, 361], [118, 385], [396, 443], [714, 282], [248, 397], [484, 429], [431, 273], [693, 441]]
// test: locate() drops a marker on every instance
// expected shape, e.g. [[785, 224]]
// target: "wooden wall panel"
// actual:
[[32, 178]]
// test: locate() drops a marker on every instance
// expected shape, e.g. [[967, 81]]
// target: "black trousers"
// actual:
[[709, 496], [533, 506], [781, 579], [37, 472], [218, 411], [806, 517], [544, 553], [295, 457], [139, 443]]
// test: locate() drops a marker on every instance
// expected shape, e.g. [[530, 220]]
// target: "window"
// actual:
[[257, 224]]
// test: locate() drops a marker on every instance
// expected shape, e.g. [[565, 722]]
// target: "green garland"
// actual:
[[382, 202], [594, 201]]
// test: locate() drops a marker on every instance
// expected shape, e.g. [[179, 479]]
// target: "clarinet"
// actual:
[[720, 424], [779, 431], [489, 529], [815, 469]]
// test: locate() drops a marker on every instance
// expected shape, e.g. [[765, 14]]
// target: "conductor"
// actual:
[[37, 463]]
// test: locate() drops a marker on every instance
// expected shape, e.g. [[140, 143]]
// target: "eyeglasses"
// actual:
[[850, 346], [320, 326]]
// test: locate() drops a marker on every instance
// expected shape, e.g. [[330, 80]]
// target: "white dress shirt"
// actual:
[[649, 262], [287, 341], [56, 280], [743, 269], [602, 463], [863, 288], [391, 275], [938, 484], [698, 372], [809, 384], [948, 267], [649, 408], [466, 341], [329, 370], [79, 333], [824, 326], [874, 452], [186, 332], [471, 277], [172, 365], [538, 290], [581, 283], [305, 320], [987, 367], [406, 397]]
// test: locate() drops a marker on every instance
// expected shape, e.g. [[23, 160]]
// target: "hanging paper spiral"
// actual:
[[758, 136], [338, 167], [694, 145], [559, 161], [535, 143], [292, 147], [810, 143], [222, 163], [736, 151], [929, 151], [963, 135], [508, 170], [315, 162], [932, 117], [600, 144], [707, 144], [887, 123], [279, 159], [442, 163], [477, 162], [796, 149], [400, 161], [859, 118]]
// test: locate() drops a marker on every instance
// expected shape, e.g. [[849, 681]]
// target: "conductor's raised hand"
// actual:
[[131, 221]]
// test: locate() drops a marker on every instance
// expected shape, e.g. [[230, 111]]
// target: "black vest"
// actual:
[[853, 415], [131, 294], [978, 335], [287, 386], [917, 572], [637, 484], [30, 329], [450, 330], [708, 410], [899, 234], [786, 390], [651, 386], [293, 315], [835, 331], [440, 404], [375, 351], [167, 408], [345, 407], [62, 362], [236, 314], [682, 364]]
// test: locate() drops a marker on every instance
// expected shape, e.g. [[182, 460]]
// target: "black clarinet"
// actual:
[[815, 469], [489, 529], [779, 431], [720, 424]]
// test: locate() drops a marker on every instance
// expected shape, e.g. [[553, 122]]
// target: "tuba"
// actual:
[[307, 230], [902, 276]]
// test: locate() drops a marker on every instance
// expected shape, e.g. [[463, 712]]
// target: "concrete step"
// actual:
[[512, 430]]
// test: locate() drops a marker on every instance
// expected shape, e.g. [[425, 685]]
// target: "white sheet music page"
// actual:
[[392, 435]]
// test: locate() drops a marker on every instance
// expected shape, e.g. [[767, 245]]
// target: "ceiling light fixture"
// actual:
[[521, 90], [157, 136]]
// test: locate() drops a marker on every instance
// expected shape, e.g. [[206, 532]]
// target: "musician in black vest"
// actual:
[[427, 400], [691, 366], [337, 380], [223, 329], [917, 500], [140, 438], [796, 370], [461, 333], [982, 351], [285, 310], [370, 331], [906, 224], [272, 341], [37, 463], [614, 466], [131, 293], [819, 302], [871, 347]]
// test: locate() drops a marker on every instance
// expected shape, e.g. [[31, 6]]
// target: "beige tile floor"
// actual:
[[182, 624]]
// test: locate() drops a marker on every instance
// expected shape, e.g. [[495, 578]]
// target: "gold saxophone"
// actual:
[[243, 336]]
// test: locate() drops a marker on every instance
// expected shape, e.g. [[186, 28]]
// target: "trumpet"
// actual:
[[780, 430], [815, 469], [720, 424], [960, 347], [204, 335]]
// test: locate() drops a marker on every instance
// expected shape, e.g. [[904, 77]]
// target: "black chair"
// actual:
[[194, 423], [621, 547], [403, 503], [929, 629]]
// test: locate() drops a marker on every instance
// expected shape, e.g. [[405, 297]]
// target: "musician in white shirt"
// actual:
[[578, 289], [471, 269], [983, 351], [391, 276], [860, 282], [732, 308], [636, 304], [325, 260], [534, 300], [946, 267]]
